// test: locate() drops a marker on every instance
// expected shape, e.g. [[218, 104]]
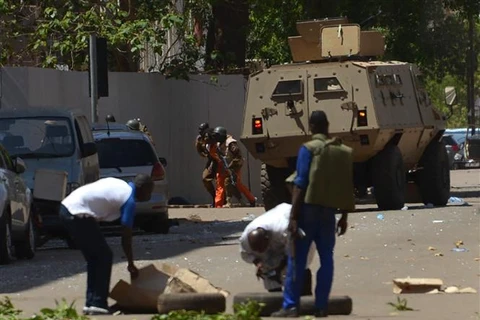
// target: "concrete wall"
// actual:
[[171, 109]]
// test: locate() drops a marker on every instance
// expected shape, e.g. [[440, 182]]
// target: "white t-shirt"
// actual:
[[102, 199], [276, 221]]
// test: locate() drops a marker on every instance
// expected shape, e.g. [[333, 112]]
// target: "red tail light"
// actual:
[[455, 148], [158, 173]]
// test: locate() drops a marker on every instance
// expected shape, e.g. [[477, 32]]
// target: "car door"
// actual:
[[16, 194]]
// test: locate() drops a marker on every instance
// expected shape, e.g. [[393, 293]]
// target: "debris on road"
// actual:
[[405, 208], [437, 221], [439, 254], [432, 248], [416, 285], [458, 243], [427, 286], [380, 216], [249, 217], [457, 201], [459, 250], [194, 218], [141, 294]]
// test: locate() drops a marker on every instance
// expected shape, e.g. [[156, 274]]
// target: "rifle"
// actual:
[[225, 164]]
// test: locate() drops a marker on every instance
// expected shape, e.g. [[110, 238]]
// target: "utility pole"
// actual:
[[93, 78], [471, 72]]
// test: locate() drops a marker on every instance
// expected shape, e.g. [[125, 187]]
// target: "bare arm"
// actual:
[[127, 244]]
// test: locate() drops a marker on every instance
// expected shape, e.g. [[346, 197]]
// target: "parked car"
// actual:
[[452, 147], [124, 154], [17, 237], [461, 162], [56, 141]]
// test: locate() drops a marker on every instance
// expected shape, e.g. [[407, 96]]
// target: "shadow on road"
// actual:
[[54, 261]]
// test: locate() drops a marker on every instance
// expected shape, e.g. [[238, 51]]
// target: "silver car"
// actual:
[[17, 235], [124, 154]]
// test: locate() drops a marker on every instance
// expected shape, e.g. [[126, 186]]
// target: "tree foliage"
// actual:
[[58, 32]]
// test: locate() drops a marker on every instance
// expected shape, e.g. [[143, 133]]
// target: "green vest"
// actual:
[[331, 174]]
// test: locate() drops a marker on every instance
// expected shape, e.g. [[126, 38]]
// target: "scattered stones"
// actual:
[[432, 248], [439, 254]]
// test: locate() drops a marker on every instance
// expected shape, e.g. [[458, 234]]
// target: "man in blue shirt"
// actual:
[[106, 199], [318, 223]]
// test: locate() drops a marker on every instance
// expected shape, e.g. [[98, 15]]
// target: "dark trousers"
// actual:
[[87, 236]]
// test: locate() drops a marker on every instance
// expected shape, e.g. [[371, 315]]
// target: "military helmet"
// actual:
[[133, 124], [203, 127], [110, 118], [220, 134]]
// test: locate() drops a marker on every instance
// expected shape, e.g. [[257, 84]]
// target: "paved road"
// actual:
[[368, 257]]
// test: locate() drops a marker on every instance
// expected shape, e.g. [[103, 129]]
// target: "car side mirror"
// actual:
[[163, 161], [89, 149], [19, 165]]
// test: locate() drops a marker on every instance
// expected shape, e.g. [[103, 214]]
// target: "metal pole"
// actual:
[[471, 73], [93, 78]]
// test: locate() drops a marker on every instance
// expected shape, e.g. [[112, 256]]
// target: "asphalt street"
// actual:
[[378, 247]]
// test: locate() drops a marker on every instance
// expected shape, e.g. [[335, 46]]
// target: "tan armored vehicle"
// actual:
[[380, 109]]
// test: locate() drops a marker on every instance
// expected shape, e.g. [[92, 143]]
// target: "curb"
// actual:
[[475, 193]]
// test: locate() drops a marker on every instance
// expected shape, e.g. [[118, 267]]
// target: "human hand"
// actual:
[[133, 271], [293, 228], [342, 226], [259, 272]]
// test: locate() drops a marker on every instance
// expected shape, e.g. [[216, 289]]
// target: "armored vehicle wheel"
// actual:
[[389, 180], [434, 179], [274, 190]]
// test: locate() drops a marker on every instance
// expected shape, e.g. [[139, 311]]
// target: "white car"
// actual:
[[17, 232], [124, 154]]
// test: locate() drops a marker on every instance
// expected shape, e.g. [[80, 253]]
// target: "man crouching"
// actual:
[[264, 242]]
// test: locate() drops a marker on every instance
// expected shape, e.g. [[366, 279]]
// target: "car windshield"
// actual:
[[115, 153], [37, 137]]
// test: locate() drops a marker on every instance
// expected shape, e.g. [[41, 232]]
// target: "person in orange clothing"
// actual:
[[229, 181]]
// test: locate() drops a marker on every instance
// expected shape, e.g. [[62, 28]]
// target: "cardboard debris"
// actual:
[[416, 285], [451, 290], [141, 294], [467, 290]]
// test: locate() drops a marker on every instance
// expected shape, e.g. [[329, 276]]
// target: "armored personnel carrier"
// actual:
[[379, 108]]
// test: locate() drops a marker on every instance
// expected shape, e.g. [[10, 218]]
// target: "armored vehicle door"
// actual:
[[425, 107], [330, 89], [285, 109]]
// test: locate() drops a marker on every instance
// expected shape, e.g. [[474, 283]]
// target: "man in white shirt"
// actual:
[[106, 199], [264, 243]]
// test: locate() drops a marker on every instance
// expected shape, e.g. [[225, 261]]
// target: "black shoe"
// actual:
[[321, 313], [285, 313]]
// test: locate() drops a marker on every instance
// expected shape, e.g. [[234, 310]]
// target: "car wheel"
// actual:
[[6, 244], [26, 248], [159, 225]]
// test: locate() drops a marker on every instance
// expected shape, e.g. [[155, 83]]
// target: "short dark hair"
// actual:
[[141, 180], [318, 118]]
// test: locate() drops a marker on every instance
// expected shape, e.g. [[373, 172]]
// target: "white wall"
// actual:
[[171, 109]]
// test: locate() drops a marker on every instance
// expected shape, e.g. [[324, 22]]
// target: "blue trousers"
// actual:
[[319, 225], [87, 236]]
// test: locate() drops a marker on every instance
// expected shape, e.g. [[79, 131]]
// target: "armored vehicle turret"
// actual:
[[379, 108]]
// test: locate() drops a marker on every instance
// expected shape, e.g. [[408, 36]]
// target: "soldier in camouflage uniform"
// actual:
[[233, 187], [203, 143]]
